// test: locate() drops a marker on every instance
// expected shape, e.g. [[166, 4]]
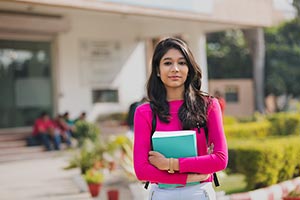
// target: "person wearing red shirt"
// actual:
[[63, 129], [44, 131], [221, 100]]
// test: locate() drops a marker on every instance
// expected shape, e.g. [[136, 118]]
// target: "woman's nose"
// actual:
[[175, 68]]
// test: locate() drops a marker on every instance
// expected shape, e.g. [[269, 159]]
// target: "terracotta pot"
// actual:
[[94, 188], [111, 166], [291, 198], [113, 195]]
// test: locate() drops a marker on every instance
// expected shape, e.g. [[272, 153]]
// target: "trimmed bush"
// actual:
[[265, 161], [285, 123], [248, 130], [229, 120]]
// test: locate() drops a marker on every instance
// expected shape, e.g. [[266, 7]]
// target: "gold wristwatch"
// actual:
[[171, 170]]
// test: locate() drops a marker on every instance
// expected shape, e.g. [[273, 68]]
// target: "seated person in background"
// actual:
[[70, 123], [131, 111], [82, 117], [44, 131], [63, 129]]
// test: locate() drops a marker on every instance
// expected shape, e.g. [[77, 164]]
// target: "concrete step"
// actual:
[[28, 156], [4, 137], [28, 153], [12, 144], [21, 150]]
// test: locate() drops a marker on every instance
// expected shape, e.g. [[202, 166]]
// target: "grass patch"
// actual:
[[232, 183]]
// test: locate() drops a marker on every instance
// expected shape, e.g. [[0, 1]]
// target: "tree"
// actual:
[[283, 52], [256, 42], [228, 55]]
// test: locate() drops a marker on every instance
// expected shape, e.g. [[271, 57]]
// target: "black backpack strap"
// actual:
[[216, 180], [153, 127]]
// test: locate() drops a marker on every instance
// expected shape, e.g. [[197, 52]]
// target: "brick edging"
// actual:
[[274, 192]]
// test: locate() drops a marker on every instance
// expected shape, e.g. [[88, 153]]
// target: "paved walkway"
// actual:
[[45, 179], [39, 179]]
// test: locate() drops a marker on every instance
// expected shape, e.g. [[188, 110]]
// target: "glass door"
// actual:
[[25, 82]]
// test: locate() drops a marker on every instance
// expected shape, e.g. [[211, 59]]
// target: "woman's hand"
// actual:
[[197, 177], [158, 160]]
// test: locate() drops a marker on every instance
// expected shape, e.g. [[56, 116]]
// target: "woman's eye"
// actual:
[[182, 63], [168, 63]]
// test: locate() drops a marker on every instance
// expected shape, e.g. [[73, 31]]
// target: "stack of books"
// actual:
[[175, 144]]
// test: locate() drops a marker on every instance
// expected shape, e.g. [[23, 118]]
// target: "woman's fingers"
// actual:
[[158, 160]]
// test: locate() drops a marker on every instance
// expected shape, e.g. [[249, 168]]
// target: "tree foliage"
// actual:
[[228, 57], [283, 59]]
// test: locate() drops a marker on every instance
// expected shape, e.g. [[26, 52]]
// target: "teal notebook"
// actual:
[[175, 144]]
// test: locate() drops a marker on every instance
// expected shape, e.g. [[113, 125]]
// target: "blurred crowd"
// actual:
[[52, 132]]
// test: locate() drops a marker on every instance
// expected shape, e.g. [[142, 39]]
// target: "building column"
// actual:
[[197, 44], [256, 42]]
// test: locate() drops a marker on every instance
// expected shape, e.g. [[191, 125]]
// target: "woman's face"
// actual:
[[173, 70]]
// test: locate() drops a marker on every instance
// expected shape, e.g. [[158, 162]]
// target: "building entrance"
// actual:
[[25, 82]]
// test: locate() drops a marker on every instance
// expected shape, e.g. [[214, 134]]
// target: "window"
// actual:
[[100, 96], [231, 94], [25, 82]]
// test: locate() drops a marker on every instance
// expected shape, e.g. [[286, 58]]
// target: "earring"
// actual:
[[158, 75]]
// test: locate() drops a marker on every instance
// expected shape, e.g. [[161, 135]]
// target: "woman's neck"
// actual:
[[174, 94]]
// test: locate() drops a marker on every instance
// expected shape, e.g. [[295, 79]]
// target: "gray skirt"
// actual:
[[203, 191]]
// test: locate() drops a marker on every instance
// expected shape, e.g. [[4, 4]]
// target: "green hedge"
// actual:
[[249, 129], [272, 125], [285, 123], [265, 161], [229, 120]]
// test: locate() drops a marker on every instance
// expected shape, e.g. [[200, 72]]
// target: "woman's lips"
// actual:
[[174, 77]]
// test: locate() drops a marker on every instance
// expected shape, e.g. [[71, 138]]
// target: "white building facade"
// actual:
[[94, 55]]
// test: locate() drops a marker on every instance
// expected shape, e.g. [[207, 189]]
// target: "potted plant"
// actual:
[[86, 130], [90, 153], [94, 179], [125, 144], [293, 195]]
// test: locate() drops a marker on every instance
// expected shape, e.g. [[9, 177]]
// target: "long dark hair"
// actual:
[[193, 110]]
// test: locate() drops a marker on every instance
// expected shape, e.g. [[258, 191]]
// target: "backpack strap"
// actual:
[[216, 180], [204, 126], [153, 127]]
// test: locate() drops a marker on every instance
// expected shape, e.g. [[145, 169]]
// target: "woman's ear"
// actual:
[[158, 74]]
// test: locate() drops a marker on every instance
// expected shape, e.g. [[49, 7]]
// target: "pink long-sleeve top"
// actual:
[[204, 163]]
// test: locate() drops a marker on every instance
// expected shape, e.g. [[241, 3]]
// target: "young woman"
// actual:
[[174, 91]]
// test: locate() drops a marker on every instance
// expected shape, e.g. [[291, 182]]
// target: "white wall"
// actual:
[[132, 77], [74, 96], [130, 81]]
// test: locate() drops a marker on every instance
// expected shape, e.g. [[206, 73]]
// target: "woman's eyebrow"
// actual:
[[168, 58]]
